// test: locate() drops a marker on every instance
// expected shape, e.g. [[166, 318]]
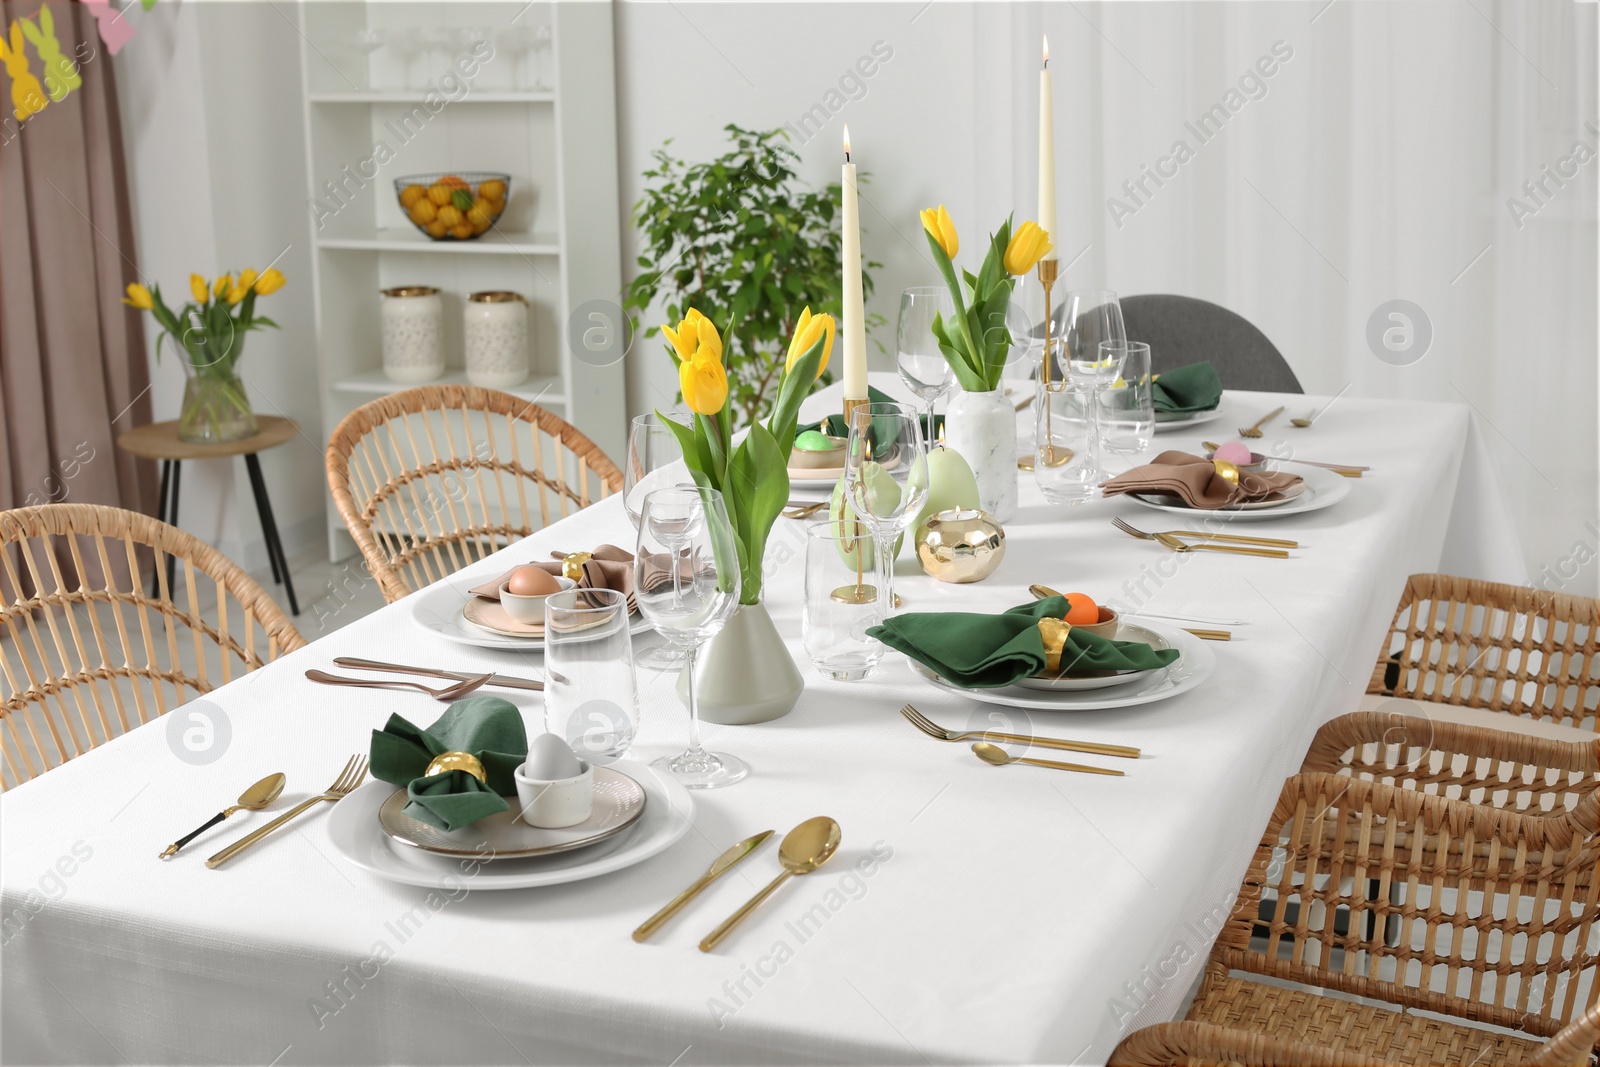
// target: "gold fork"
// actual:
[[1255, 431], [1179, 546], [934, 730], [354, 771]]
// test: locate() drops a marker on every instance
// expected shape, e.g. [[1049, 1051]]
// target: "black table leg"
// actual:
[[269, 530], [172, 520], [161, 514]]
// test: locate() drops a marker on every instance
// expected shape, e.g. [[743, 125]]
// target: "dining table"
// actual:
[[973, 913]]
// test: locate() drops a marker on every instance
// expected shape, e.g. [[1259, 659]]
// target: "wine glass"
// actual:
[[367, 40], [686, 582], [1089, 317], [543, 40], [517, 39], [922, 365], [886, 481], [405, 43], [654, 461]]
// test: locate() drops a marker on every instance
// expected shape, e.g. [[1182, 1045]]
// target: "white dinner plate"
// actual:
[[356, 836], [1126, 631], [1323, 489], [1193, 666], [1173, 422], [439, 609]]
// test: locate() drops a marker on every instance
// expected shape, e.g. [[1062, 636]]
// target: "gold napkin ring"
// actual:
[[572, 565], [1054, 634], [457, 761]]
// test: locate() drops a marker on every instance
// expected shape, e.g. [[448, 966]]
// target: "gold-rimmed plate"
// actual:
[[619, 801]]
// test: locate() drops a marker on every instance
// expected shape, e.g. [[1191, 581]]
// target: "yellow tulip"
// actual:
[[139, 297], [710, 340], [937, 222], [686, 338], [197, 286], [806, 333], [1027, 247], [704, 382], [221, 285], [247, 278], [270, 281], [236, 294]]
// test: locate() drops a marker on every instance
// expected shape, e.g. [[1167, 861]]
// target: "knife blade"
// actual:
[[723, 864], [506, 681]]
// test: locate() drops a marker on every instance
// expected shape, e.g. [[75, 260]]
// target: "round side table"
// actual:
[[159, 440]]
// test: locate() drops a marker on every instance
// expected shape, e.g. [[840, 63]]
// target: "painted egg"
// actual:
[[529, 580], [1081, 611], [1234, 452], [550, 759]]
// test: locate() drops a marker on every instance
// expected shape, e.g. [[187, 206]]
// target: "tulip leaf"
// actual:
[[792, 390], [758, 486]]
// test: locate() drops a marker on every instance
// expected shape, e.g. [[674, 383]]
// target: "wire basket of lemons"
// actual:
[[453, 207]]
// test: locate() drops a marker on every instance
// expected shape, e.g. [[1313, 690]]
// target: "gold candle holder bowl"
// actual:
[[960, 545], [457, 761]]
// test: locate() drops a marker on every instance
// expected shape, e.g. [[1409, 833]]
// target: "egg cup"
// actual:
[[1106, 626], [551, 805], [530, 609]]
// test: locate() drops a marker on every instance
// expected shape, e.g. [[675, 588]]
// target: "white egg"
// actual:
[[550, 759]]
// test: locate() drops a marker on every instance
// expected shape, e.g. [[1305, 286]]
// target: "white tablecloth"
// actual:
[[1011, 915]]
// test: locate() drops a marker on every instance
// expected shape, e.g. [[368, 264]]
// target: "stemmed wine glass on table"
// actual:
[[654, 461], [1088, 317], [686, 582], [886, 482], [922, 365]]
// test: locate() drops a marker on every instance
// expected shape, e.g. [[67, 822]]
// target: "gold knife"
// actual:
[[724, 863], [506, 680]]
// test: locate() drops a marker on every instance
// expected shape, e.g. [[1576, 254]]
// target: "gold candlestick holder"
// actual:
[[1047, 270], [860, 593]]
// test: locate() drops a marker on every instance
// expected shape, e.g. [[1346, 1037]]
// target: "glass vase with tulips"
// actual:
[[209, 334]]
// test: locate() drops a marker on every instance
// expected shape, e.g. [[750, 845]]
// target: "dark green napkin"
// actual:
[[1185, 390], [488, 727], [834, 425], [986, 651]]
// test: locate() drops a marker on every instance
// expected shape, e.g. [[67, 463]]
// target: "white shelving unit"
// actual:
[[557, 242]]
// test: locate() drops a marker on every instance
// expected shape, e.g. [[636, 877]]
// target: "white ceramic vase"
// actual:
[[982, 427], [745, 673]]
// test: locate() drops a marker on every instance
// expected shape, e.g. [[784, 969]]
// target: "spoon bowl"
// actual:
[[261, 794]]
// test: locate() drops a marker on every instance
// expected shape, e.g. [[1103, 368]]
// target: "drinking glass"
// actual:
[[543, 41], [368, 40], [406, 44], [885, 449], [590, 697], [517, 39], [1089, 317], [1022, 364], [1127, 414], [922, 365], [1064, 461], [835, 623], [654, 461], [686, 582]]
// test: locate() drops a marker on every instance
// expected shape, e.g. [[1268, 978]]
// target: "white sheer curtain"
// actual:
[[1374, 163]]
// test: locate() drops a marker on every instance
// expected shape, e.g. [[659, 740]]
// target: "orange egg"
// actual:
[[529, 580], [1081, 611]]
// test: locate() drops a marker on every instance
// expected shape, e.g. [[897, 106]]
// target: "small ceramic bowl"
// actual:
[[551, 805], [1106, 627], [529, 609], [818, 459], [1258, 462]]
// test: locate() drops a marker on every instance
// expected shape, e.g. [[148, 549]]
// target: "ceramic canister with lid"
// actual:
[[413, 333], [496, 332]]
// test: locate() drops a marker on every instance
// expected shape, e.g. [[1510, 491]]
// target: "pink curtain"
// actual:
[[72, 356]]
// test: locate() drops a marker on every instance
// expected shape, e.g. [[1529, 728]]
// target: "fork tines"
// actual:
[[354, 771], [1116, 520]]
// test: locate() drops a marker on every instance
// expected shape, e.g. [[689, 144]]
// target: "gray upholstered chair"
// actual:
[[1182, 330]]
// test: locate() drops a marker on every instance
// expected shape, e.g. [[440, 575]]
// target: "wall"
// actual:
[[210, 103], [1374, 164]]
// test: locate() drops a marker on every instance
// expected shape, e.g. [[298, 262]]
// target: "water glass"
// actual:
[[835, 623], [885, 479], [1127, 407], [590, 697], [1089, 317], [1064, 462], [922, 364], [654, 461]]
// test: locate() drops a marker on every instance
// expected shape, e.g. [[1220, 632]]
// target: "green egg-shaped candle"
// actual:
[[950, 481], [883, 489]]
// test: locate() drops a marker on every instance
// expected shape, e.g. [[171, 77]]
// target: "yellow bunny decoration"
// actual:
[[26, 93], [60, 73]]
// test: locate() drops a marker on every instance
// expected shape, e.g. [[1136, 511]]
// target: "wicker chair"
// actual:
[[86, 654], [1526, 653], [1492, 922], [431, 479]]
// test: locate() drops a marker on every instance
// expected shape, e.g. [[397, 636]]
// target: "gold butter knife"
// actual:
[[724, 863]]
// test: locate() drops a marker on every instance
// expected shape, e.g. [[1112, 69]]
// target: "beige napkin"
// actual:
[[1196, 481], [609, 567]]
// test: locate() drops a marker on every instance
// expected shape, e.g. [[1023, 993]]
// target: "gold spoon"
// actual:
[[255, 798], [999, 757], [804, 849], [1311, 416]]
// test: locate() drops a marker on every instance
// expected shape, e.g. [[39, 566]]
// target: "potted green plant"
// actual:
[[745, 242]]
